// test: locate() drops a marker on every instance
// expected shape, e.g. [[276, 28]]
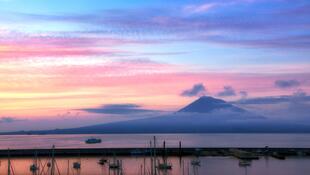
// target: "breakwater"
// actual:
[[242, 153]]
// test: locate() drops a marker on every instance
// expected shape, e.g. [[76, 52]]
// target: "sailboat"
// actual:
[[102, 161], [164, 165], [77, 164], [10, 167], [34, 168], [195, 162], [116, 164]]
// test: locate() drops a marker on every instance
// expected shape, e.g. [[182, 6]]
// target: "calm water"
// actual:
[[134, 165], [142, 140]]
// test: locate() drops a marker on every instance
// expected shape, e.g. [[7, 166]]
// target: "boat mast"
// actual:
[[68, 167], [144, 166], [188, 168], [151, 152], [36, 162], [155, 155], [53, 160], [165, 153], [183, 170], [9, 163]]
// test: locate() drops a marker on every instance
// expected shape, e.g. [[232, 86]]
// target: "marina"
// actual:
[[143, 161], [152, 155], [141, 165]]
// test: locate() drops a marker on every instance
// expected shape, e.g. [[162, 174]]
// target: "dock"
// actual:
[[241, 153]]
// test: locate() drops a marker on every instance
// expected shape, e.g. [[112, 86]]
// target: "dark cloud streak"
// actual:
[[283, 84], [8, 120], [275, 99]]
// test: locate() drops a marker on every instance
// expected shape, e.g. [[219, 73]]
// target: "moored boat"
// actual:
[[102, 161], [244, 163], [93, 141]]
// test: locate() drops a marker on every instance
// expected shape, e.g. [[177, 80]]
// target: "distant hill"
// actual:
[[205, 115]]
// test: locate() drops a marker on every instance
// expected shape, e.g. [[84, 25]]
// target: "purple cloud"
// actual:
[[268, 28], [284, 84], [243, 94], [197, 90], [227, 91]]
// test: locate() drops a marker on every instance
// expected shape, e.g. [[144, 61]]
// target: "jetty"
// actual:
[[239, 152]]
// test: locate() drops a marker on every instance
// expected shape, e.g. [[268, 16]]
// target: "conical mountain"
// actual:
[[206, 104], [205, 115]]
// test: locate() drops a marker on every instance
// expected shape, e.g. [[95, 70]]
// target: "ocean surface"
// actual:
[[142, 140]]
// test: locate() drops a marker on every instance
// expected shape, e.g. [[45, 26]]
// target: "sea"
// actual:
[[139, 165]]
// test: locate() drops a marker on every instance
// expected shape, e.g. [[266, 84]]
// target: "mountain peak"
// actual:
[[211, 99], [207, 104]]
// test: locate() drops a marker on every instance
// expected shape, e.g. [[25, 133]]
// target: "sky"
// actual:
[[63, 61]]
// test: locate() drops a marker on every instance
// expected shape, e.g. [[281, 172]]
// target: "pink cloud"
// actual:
[[167, 79], [155, 85], [23, 46], [48, 47]]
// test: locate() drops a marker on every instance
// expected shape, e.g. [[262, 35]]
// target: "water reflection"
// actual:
[[141, 166]]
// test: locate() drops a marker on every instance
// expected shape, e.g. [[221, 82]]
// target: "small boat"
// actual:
[[77, 165], [116, 164], [164, 166], [34, 168], [195, 162], [244, 163], [93, 141], [278, 156], [102, 161]]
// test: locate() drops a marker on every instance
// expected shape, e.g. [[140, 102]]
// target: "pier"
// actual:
[[241, 153]]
